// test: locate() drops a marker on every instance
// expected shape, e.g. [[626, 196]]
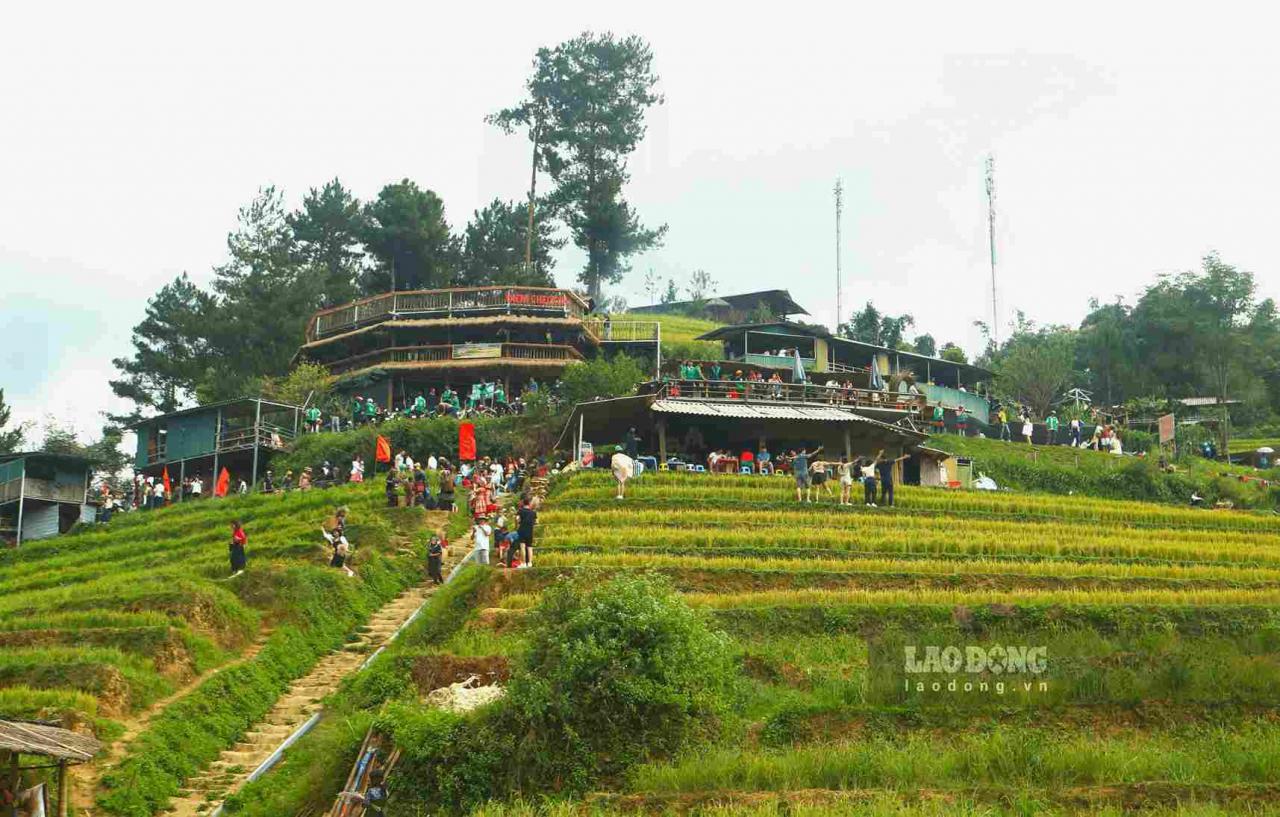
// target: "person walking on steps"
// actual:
[[480, 536], [435, 557], [337, 538], [527, 518], [238, 541]]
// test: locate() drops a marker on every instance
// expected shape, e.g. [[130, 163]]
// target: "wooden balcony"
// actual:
[[809, 394], [41, 489], [445, 355], [447, 303]]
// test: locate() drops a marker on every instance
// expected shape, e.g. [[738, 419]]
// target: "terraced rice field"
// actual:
[[1155, 631], [96, 628]]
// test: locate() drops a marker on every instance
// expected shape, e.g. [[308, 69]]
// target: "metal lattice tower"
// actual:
[[991, 240], [839, 192]]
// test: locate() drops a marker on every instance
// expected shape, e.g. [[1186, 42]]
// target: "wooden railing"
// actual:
[[811, 394], [447, 303], [444, 353], [603, 331], [53, 491]]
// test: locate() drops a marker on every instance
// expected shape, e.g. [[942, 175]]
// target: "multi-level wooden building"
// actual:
[[394, 345], [43, 495]]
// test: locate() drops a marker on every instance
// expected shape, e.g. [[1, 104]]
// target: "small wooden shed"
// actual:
[[52, 746]]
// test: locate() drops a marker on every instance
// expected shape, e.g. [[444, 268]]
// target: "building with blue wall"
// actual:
[[43, 495], [239, 435]]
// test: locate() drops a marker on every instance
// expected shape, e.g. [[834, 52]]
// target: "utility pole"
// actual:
[[839, 192], [991, 240]]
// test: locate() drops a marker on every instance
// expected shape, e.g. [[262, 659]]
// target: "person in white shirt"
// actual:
[[157, 492], [432, 463], [480, 538], [495, 478], [196, 487], [244, 487]]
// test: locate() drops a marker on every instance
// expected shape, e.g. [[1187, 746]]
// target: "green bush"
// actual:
[[616, 674]]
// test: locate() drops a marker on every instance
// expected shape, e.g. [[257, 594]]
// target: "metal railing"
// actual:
[[447, 303], [621, 331], [811, 394], [445, 353], [266, 436]]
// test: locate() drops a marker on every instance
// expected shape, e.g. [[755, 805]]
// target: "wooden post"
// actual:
[[182, 477], [64, 789], [391, 393], [662, 441], [848, 444]]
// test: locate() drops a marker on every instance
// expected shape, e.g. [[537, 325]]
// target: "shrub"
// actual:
[[617, 674]]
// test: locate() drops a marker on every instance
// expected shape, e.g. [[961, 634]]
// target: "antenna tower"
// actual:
[[839, 192], [991, 241]]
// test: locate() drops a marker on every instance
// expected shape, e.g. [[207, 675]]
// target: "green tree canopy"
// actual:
[[493, 247], [584, 108], [171, 348], [870, 325], [328, 230], [1036, 365], [953, 353], [406, 234], [600, 377], [925, 345]]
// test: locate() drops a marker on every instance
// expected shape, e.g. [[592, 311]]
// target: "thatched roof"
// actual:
[[29, 738]]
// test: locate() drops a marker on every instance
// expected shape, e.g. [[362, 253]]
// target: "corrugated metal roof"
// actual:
[[750, 411]]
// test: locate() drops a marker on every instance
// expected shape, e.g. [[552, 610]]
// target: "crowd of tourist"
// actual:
[[482, 399]]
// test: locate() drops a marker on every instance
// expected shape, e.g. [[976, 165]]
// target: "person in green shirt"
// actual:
[[715, 371], [370, 410], [419, 405], [499, 395], [1052, 425], [357, 410], [313, 419], [939, 419]]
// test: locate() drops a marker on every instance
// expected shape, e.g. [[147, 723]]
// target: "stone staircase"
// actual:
[[303, 699]]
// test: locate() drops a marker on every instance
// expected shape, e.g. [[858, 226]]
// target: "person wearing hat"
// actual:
[[268, 483], [286, 484], [304, 479]]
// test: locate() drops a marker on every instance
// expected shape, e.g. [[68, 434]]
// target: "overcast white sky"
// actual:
[[1130, 139]]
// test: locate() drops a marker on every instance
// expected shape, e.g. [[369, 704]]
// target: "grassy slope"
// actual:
[[1062, 469], [100, 624], [675, 328], [1162, 693]]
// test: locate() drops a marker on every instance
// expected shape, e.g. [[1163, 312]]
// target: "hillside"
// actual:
[[1160, 624], [1066, 470], [134, 628]]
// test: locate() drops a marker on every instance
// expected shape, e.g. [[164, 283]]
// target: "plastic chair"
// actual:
[[664, 467], [698, 469], [746, 469]]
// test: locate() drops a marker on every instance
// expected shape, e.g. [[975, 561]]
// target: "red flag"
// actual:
[[466, 442], [383, 451], [164, 477], [224, 482]]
